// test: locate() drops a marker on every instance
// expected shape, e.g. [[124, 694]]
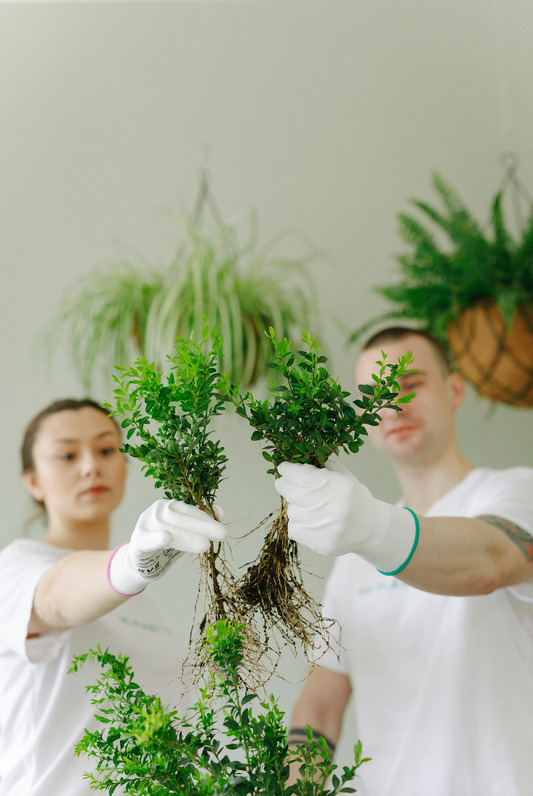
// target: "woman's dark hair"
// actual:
[[66, 404]]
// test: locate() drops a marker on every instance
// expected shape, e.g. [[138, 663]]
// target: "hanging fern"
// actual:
[[437, 284]]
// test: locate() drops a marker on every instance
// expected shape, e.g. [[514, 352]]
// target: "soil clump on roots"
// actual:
[[217, 591], [272, 592]]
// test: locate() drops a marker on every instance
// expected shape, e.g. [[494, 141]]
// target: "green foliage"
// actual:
[[316, 768], [309, 418], [147, 749], [438, 284], [171, 417], [179, 453], [130, 307]]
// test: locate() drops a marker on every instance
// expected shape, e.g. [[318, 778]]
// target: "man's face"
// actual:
[[420, 433]]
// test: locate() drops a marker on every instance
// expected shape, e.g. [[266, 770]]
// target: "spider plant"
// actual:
[[130, 308]]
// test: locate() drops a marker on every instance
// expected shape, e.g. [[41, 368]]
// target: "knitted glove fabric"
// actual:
[[163, 533], [332, 513]]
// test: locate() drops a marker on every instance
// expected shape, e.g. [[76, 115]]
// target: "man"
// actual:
[[434, 599]]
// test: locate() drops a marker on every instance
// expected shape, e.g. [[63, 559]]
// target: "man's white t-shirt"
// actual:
[[43, 710], [443, 686]]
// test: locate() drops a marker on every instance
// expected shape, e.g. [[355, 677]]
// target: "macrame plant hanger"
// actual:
[[515, 188], [205, 201], [494, 353]]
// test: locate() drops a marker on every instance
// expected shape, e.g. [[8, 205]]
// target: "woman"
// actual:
[[67, 593]]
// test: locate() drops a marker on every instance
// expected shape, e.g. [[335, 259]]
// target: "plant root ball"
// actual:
[[272, 590]]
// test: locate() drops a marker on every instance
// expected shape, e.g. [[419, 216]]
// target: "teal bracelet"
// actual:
[[415, 545]]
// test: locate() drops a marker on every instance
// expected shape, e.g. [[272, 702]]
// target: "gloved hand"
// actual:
[[163, 533], [332, 513]]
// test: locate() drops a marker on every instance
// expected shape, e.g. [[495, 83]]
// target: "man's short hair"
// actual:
[[395, 333]]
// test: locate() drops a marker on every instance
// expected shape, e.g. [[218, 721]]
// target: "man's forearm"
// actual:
[[463, 556], [321, 706], [323, 723]]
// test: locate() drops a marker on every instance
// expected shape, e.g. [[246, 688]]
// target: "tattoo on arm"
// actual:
[[521, 538]]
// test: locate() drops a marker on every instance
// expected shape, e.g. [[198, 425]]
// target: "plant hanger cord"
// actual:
[[510, 163], [518, 194], [205, 198]]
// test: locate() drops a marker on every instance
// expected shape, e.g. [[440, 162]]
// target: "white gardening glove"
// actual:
[[332, 513], [163, 533]]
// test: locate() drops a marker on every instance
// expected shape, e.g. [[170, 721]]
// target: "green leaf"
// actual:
[[439, 281], [405, 399]]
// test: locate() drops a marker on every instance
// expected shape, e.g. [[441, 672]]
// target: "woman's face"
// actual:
[[79, 470]]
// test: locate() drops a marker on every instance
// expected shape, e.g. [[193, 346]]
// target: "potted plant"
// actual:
[[475, 294], [129, 307], [220, 747]]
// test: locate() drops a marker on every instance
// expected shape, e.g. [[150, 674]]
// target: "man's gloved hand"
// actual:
[[332, 513], [163, 533]]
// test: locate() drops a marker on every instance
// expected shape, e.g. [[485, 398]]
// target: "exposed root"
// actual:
[[218, 589], [272, 591], [270, 600]]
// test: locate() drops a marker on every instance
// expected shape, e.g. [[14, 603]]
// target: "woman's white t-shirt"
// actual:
[[443, 686], [43, 710]]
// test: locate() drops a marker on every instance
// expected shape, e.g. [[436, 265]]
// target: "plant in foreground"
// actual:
[[171, 417], [308, 419], [220, 748]]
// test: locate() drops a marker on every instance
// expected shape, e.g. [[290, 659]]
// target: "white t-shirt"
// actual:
[[44, 710], [443, 686]]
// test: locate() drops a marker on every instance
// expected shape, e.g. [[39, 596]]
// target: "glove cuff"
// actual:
[[120, 573], [394, 540], [413, 548]]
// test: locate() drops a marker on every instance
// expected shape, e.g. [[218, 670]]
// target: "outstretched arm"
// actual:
[[461, 556], [331, 512], [74, 591], [87, 584]]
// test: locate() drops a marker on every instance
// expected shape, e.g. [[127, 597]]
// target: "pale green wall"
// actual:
[[324, 114]]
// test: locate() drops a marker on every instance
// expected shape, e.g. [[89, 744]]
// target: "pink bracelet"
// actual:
[[108, 574]]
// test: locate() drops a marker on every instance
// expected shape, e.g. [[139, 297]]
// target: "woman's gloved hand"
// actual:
[[163, 533], [332, 513]]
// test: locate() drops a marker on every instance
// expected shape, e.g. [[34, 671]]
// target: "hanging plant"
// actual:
[[308, 419], [148, 749], [130, 308], [475, 295]]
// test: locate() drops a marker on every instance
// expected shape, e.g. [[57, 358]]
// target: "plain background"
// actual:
[[326, 115]]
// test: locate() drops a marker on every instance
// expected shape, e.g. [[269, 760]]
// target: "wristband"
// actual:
[[298, 735], [108, 573], [411, 554]]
